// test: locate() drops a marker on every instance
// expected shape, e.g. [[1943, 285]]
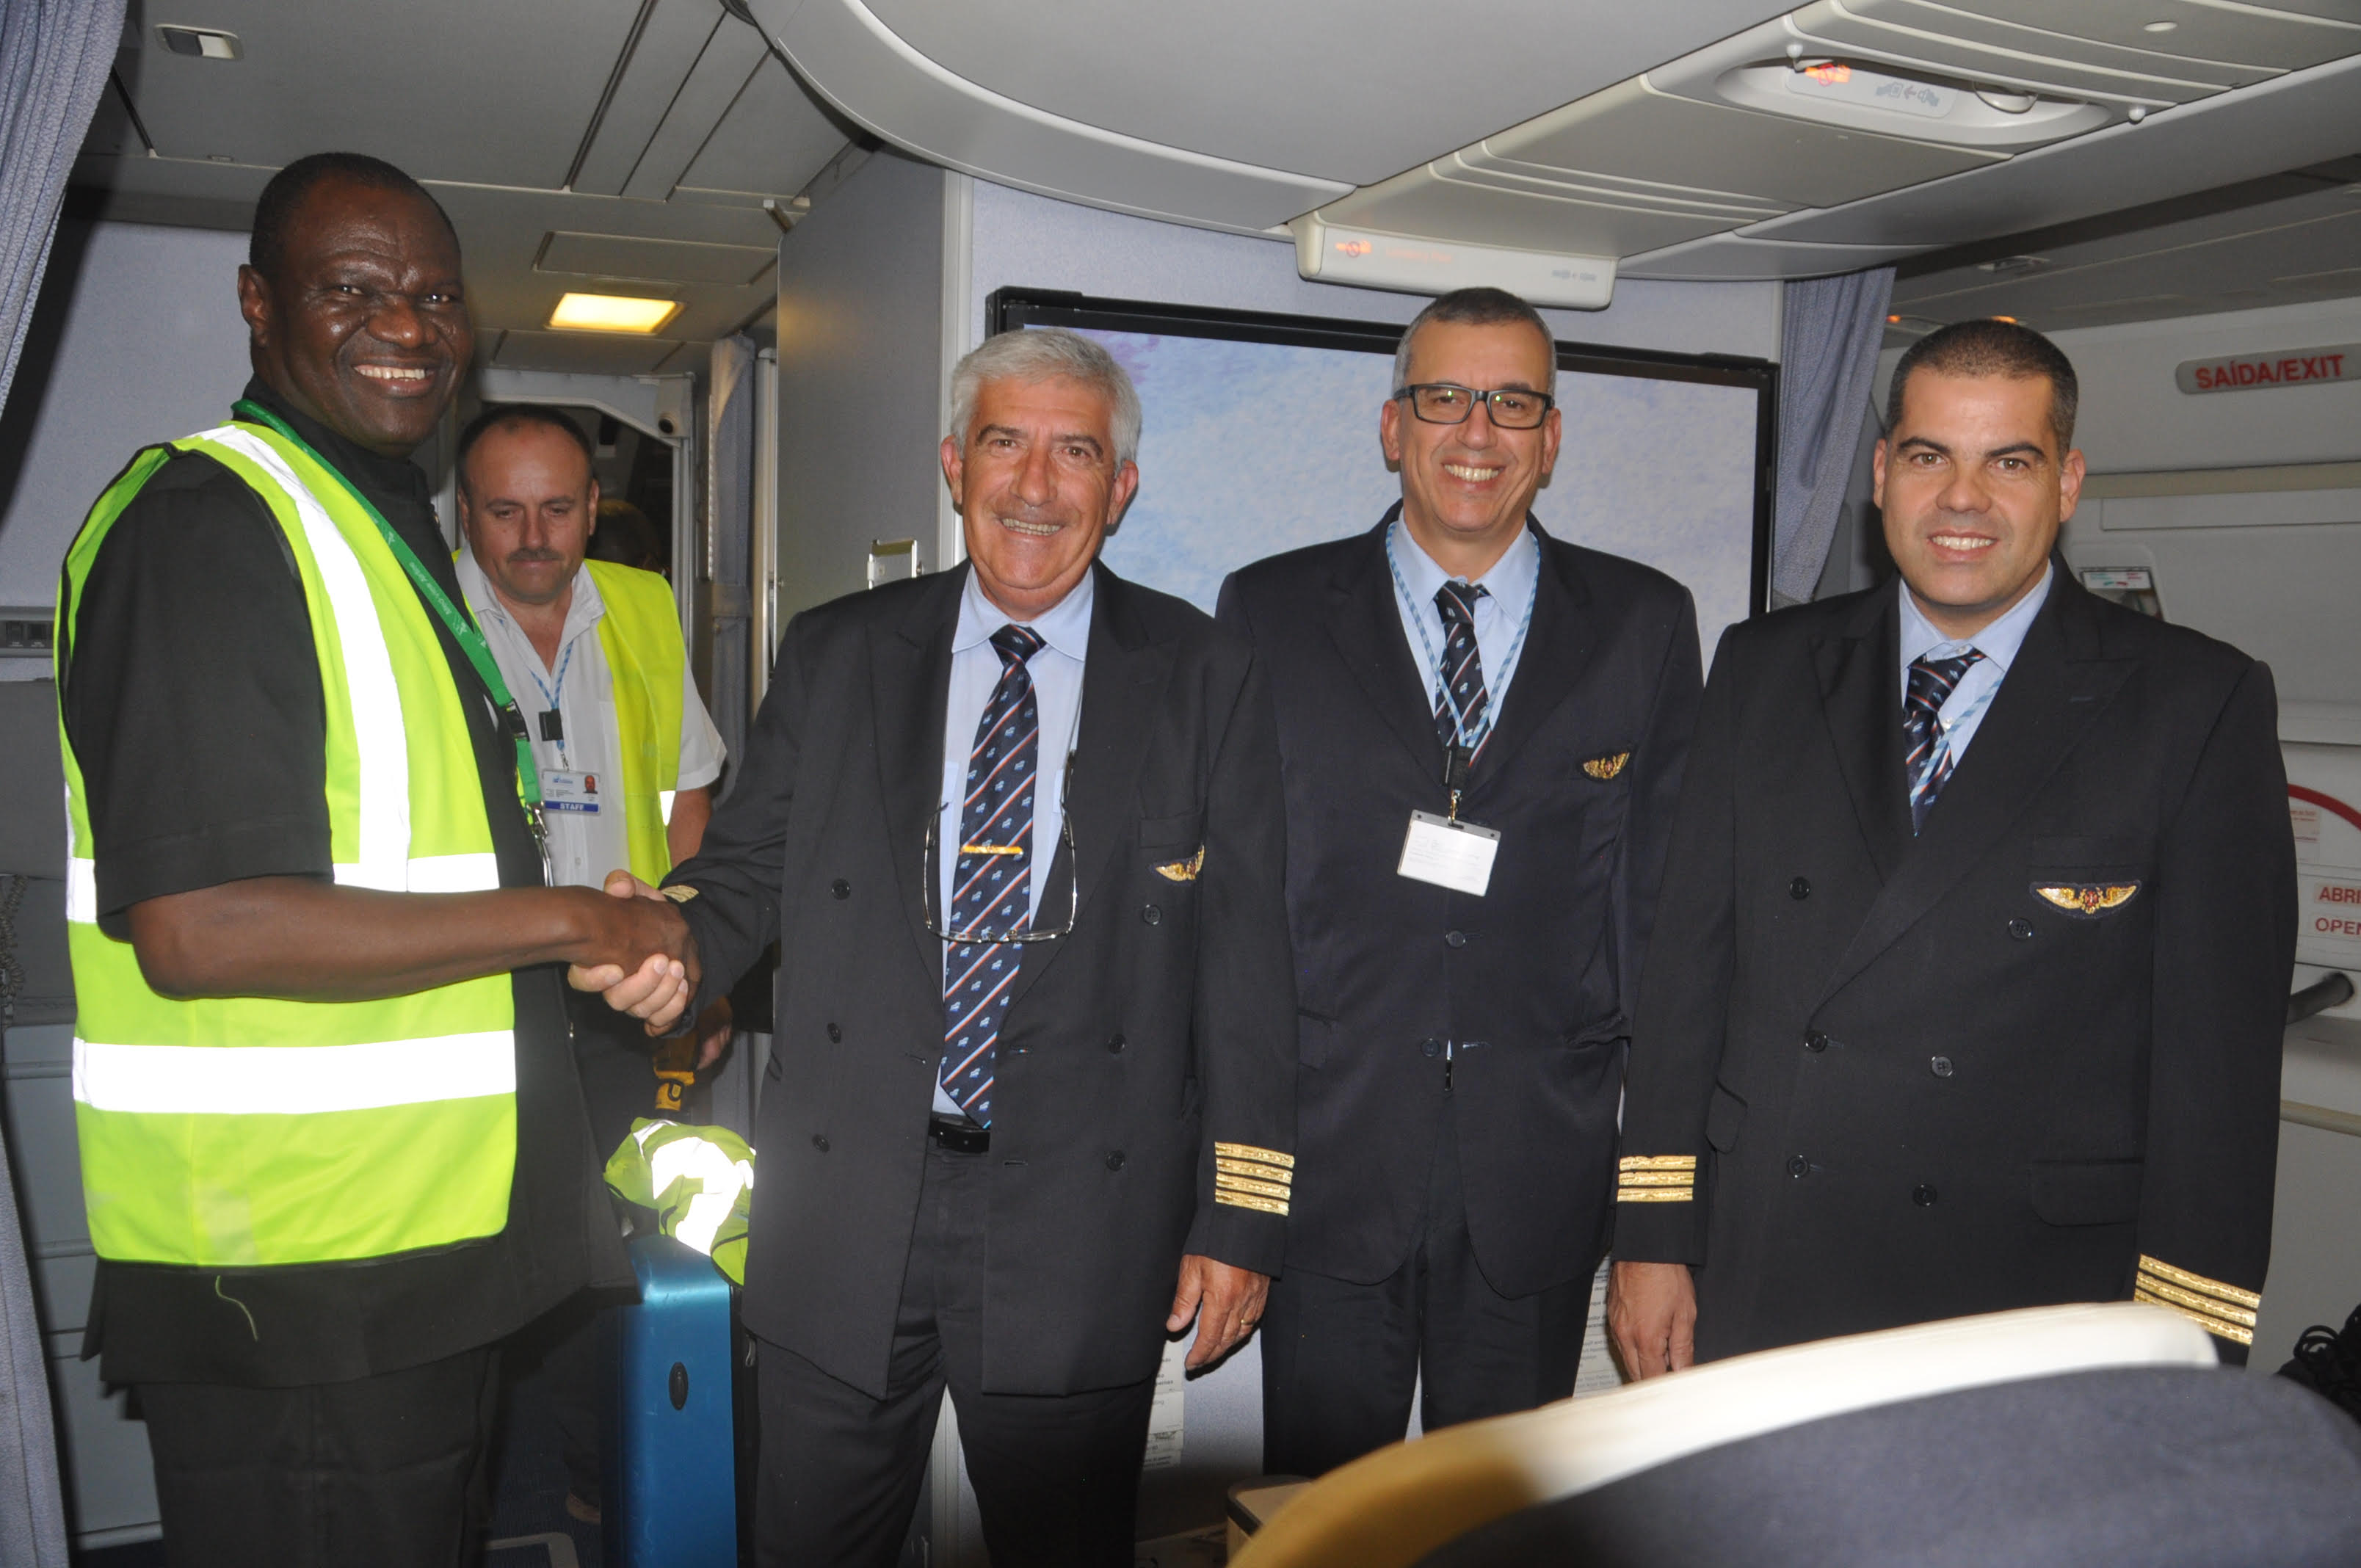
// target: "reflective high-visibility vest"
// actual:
[[248, 1131], [640, 635]]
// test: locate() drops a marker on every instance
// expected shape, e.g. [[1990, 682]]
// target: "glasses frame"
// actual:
[[926, 867], [1476, 395]]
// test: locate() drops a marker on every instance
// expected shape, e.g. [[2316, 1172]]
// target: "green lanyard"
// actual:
[[462, 629]]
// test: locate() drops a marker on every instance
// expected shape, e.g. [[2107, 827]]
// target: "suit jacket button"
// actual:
[[1114, 1045], [819, 1142], [1150, 914], [1800, 889], [1923, 1195], [841, 888], [1939, 1066], [1454, 939], [834, 1033], [2021, 929], [1115, 1160], [1798, 1167], [1430, 1048], [1816, 1041]]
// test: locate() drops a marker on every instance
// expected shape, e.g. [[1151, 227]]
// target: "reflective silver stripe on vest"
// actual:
[[291, 1081], [382, 750]]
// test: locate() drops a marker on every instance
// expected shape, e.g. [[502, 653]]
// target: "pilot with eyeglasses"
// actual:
[[1030, 1110], [1481, 729]]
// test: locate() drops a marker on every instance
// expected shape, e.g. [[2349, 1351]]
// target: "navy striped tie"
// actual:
[[992, 888], [1463, 667], [1928, 758]]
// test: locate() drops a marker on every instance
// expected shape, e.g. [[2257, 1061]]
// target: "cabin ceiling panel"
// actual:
[[720, 74], [666, 50], [1345, 89], [771, 142], [2285, 240], [582, 353], [316, 76]]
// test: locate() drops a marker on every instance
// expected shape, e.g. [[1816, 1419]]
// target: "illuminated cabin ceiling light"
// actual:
[[611, 312]]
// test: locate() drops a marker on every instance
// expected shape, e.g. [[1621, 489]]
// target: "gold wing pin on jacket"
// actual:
[[1184, 871], [1608, 766], [2086, 900]]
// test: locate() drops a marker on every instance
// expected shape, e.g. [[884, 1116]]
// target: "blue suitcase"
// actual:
[[672, 1453]]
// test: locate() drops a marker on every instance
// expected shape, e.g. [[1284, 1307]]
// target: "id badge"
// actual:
[[576, 793], [1456, 855]]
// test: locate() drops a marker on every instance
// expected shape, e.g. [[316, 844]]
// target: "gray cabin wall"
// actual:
[[135, 339], [860, 374]]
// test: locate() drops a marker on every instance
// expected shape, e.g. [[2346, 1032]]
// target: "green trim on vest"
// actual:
[[640, 633], [248, 1131]]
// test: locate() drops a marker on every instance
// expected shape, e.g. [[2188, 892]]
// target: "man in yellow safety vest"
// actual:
[[331, 1145], [626, 757]]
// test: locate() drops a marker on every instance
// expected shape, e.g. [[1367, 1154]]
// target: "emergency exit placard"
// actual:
[[2281, 367]]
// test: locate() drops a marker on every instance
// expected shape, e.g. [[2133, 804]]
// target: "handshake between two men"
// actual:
[[659, 988]]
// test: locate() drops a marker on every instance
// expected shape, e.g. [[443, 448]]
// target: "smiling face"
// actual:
[[1467, 487], [1974, 490], [1038, 486], [364, 325], [528, 507]]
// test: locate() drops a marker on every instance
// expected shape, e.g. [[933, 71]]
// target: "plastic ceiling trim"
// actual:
[[2305, 116], [871, 75]]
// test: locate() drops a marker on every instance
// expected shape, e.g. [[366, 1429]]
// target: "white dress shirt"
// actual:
[[583, 847], [1499, 611], [1963, 711], [1057, 672]]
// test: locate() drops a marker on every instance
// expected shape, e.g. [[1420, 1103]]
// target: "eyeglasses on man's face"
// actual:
[[1442, 402]]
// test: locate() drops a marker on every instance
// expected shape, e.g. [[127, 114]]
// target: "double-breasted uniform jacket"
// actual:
[[1510, 1009], [1144, 1103], [2031, 1056]]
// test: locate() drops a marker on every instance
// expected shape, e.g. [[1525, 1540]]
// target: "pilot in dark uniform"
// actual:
[[1977, 930]]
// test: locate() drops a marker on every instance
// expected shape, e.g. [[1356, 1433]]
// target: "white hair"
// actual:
[[1040, 354]]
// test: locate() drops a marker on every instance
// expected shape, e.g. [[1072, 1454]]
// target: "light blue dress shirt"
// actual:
[[1500, 612], [1057, 672], [1963, 711]]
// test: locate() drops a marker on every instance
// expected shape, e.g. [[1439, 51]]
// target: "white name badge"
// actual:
[[569, 791], [1456, 855]]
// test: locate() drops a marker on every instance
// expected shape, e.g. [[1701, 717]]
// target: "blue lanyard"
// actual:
[[555, 698], [1434, 662]]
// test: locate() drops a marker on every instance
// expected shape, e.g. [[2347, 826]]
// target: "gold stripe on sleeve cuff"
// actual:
[[2216, 1289], [1240, 1184], [1247, 1200], [1248, 1151], [1633, 1162], [1657, 1179], [1654, 1195], [1254, 1169], [2206, 1320], [2192, 1301]]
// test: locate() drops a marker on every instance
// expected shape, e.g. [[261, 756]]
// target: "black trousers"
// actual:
[[1340, 1359], [385, 1471], [619, 1086], [1056, 1478]]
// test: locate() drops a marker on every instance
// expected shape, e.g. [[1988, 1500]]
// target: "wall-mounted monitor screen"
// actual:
[[1261, 435]]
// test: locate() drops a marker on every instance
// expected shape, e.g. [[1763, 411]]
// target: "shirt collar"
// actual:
[[1064, 626], [1511, 580], [582, 611], [1997, 642]]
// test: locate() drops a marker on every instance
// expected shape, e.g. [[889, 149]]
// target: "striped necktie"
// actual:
[[992, 888], [1463, 667], [1928, 758]]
